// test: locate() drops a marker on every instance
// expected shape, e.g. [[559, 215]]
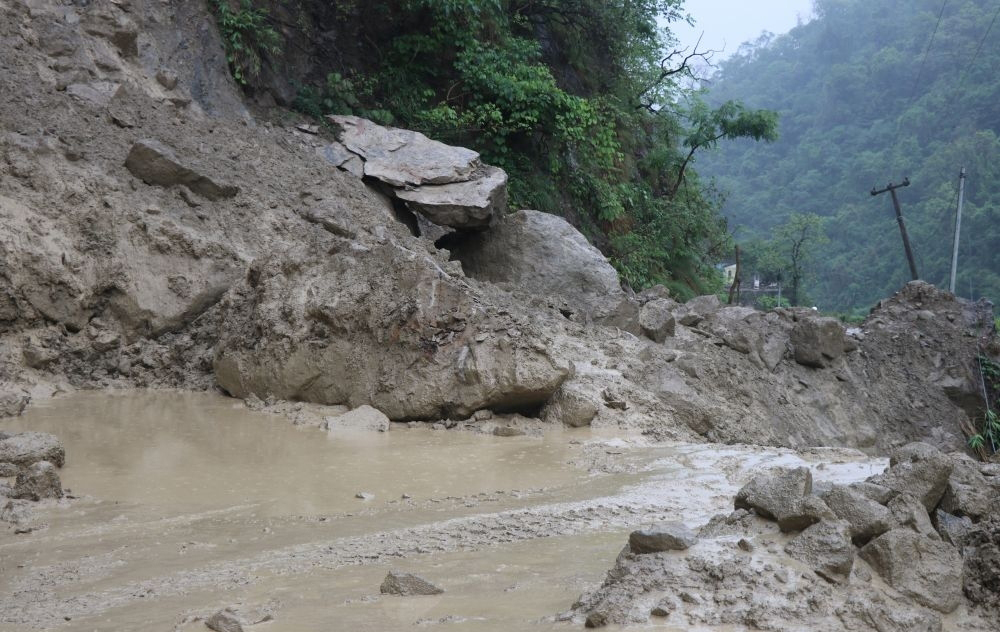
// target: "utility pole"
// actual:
[[899, 218], [958, 229]]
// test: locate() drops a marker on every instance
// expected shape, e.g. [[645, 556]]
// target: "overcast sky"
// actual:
[[728, 23]]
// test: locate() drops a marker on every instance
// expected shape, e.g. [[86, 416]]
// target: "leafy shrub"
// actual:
[[246, 36]]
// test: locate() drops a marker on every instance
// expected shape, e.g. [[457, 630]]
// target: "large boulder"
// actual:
[[928, 571], [542, 254], [818, 341], [385, 326], [697, 309], [918, 470], [473, 204], [573, 405], [27, 448]]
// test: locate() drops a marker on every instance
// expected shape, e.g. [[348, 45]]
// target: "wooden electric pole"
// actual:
[[899, 218]]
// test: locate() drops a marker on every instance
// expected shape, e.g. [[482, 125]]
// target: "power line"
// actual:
[[930, 42], [975, 56]]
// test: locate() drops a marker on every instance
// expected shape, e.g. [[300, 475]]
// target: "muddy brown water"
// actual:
[[187, 503]]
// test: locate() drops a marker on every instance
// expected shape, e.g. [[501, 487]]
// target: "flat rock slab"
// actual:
[[471, 204], [407, 584], [666, 536], [156, 164], [402, 157]]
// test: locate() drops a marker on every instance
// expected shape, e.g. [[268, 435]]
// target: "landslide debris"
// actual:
[[821, 576]]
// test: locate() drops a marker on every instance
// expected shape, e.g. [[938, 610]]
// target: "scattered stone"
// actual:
[[826, 548], [507, 431], [12, 405], [26, 448], [16, 512], [663, 608], [665, 536], [37, 481], [361, 418], [156, 164], [225, 620], [776, 492], [364, 496], [596, 620], [166, 78], [745, 545], [928, 571], [406, 584]]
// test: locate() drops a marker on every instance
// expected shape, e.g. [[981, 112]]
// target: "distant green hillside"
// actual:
[[869, 92]]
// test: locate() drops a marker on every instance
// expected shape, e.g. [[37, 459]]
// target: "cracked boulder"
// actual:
[[384, 326], [156, 164]]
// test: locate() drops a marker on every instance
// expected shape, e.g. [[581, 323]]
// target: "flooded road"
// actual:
[[187, 503]]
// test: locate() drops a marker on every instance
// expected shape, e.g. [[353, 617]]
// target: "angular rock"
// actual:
[[918, 472], [665, 536], [818, 341], [967, 492], [156, 164], [361, 418], [26, 448], [656, 319], [37, 481], [909, 512], [867, 518], [542, 254], [697, 309], [775, 492], [953, 529], [15, 512], [807, 511], [402, 157], [826, 548], [873, 491], [981, 573], [466, 205], [928, 571], [406, 584]]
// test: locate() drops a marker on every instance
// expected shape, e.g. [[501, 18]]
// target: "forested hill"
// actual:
[[869, 92]]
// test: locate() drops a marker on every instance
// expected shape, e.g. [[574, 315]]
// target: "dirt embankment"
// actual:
[[155, 233]]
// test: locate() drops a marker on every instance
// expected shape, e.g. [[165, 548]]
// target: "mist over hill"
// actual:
[[869, 93]]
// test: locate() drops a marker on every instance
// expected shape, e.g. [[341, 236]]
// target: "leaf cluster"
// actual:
[[246, 35]]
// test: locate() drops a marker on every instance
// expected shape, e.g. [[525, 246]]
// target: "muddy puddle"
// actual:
[[186, 503]]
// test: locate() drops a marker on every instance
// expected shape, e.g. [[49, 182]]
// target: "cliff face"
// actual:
[[155, 233]]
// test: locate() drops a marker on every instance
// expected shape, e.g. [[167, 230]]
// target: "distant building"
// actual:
[[729, 274]]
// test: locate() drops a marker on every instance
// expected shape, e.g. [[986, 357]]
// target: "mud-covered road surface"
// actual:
[[182, 504]]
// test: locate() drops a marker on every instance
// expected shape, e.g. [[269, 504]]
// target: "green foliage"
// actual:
[[246, 36], [859, 107], [790, 255], [988, 438], [574, 100], [771, 302]]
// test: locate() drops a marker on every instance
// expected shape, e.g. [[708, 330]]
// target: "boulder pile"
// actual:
[[927, 526]]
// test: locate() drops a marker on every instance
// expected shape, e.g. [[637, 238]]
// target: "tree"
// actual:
[[795, 243]]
